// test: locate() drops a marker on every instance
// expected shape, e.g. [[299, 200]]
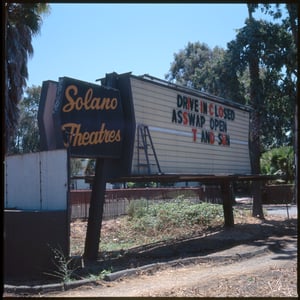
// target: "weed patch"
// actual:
[[165, 216], [152, 222]]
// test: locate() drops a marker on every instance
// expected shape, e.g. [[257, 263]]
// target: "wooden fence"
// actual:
[[118, 200]]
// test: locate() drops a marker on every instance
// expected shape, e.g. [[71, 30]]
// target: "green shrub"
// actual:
[[278, 161], [137, 208], [167, 215], [141, 184]]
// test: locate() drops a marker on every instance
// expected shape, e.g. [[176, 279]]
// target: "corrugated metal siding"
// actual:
[[174, 145]]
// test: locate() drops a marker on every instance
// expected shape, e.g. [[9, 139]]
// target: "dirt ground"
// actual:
[[270, 273], [261, 276]]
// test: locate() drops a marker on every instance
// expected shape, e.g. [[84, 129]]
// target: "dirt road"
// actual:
[[270, 273], [253, 259]]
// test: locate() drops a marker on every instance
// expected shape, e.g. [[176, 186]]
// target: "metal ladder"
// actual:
[[145, 143]]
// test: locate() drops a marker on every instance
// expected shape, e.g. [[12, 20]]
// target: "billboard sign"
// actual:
[[192, 132], [88, 119]]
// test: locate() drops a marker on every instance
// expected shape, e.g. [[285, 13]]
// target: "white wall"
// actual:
[[36, 181]]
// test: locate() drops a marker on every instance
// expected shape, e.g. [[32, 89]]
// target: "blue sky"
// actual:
[[86, 41]]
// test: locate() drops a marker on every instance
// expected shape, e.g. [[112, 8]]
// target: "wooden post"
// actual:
[[257, 208], [227, 203], [95, 212]]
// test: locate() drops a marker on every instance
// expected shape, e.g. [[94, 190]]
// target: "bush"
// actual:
[[167, 215], [141, 184], [278, 161], [137, 208]]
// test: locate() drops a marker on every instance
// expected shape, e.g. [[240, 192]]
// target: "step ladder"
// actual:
[[146, 153]]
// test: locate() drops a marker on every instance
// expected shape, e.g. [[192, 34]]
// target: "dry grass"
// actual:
[[272, 282], [119, 233], [275, 282]]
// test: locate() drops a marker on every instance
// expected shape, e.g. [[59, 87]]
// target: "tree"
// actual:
[[267, 51], [259, 68], [278, 63], [247, 48], [187, 62], [26, 136], [22, 21], [227, 73], [199, 67], [293, 23]]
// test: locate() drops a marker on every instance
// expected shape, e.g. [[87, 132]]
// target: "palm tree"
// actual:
[[22, 21]]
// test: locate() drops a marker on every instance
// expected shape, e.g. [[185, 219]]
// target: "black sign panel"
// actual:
[[89, 119]]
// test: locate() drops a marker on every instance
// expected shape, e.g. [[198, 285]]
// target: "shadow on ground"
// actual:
[[268, 233]]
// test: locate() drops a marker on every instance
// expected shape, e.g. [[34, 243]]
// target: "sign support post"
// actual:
[[227, 203], [89, 120], [95, 212]]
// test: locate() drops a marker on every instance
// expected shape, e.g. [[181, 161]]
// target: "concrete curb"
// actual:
[[133, 272], [46, 288], [183, 262]]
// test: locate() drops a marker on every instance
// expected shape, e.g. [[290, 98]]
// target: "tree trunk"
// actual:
[[254, 145], [296, 155], [6, 117], [255, 118], [292, 9]]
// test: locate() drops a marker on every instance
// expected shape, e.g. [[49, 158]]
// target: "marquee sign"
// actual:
[[88, 119], [207, 119], [192, 132]]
